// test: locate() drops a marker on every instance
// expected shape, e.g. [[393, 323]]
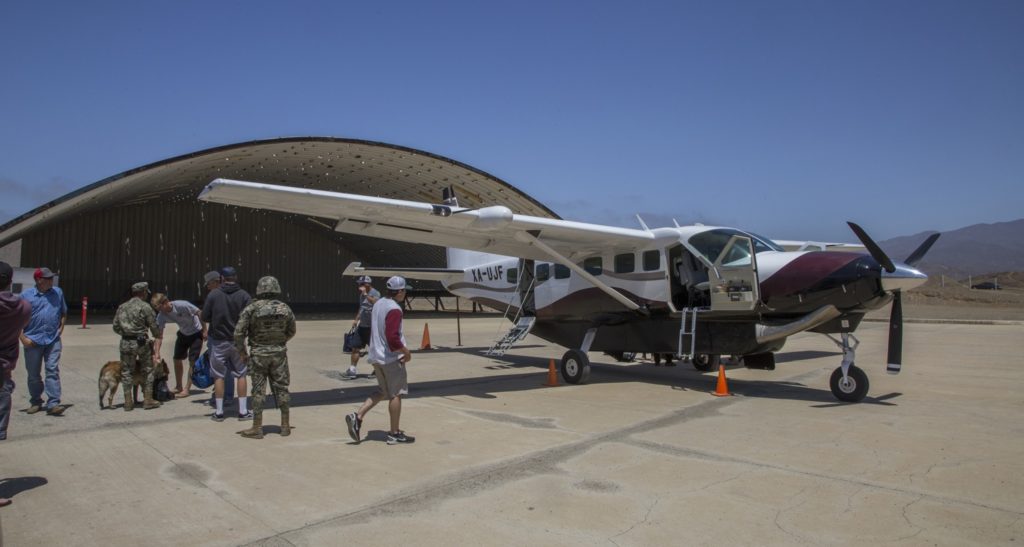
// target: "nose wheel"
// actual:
[[850, 388], [849, 383]]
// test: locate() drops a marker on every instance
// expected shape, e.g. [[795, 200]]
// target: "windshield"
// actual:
[[712, 242]]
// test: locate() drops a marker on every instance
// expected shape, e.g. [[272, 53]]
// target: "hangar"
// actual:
[[145, 223]]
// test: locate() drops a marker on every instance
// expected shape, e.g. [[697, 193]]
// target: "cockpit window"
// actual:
[[712, 242]]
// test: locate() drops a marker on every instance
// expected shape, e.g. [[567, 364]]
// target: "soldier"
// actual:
[[134, 321], [269, 324]]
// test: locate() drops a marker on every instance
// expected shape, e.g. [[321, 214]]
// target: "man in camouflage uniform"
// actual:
[[134, 321], [269, 324]]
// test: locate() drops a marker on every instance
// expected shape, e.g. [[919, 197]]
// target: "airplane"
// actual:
[[698, 292]]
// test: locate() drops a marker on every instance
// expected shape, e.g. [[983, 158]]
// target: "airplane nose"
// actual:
[[903, 279]]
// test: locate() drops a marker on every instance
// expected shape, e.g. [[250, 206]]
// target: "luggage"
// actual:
[[352, 341], [201, 376]]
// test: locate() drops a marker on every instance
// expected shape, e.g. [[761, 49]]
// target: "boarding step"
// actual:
[[688, 328], [515, 334]]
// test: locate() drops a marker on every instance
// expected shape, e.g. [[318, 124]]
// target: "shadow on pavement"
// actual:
[[12, 487]]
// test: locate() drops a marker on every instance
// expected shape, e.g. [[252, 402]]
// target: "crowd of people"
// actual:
[[244, 336]]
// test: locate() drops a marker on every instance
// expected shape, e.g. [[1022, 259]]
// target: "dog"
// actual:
[[110, 378]]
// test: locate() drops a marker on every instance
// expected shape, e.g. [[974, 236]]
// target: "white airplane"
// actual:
[[694, 291]]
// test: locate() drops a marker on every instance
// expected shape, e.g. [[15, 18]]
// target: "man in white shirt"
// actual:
[[189, 342]]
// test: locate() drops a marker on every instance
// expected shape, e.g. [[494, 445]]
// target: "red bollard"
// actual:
[[85, 310]]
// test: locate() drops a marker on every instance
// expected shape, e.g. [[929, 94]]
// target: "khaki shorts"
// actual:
[[391, 379]]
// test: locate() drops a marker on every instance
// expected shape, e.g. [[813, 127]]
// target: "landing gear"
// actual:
[[849, 383], [575, 366], [705, 362], [850, 388]]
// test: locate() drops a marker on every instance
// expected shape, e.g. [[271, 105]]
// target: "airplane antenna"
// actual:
[[642, 223], [674, 221]]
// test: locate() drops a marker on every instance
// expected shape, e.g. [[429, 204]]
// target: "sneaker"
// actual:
[[399, 437], [217, 417], [354, 424], [56, 410], [33, 409], [349, 375], [244, 417]]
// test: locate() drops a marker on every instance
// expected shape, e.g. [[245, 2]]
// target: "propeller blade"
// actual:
[[873, 248], [919, 253], [895, 360]]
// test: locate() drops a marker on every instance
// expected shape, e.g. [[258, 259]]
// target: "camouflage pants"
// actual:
[[133, 352], [273, 366]]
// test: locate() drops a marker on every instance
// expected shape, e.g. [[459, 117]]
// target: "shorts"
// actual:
[[188, 345], [364, 336], [224, 358], [391, 379]]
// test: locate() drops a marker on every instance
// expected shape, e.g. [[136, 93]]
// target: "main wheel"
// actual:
[[575, 367], [705, 363], [853, 388]]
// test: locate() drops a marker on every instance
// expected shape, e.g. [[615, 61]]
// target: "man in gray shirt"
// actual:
[[189, 342], [367, 297]]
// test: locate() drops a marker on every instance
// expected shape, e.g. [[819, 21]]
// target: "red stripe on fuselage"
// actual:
[[804, 272]]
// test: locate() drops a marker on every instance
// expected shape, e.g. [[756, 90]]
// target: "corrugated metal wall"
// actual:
[[171, 245]]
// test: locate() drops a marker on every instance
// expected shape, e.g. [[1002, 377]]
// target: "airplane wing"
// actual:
[[495, 229]]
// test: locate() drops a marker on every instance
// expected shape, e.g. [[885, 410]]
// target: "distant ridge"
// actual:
[[973, 250]]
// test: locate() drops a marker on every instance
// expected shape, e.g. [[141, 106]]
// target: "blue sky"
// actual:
[[783, 117]]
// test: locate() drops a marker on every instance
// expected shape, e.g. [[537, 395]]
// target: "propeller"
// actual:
[[918, 253], [895, 358], [876, 252]]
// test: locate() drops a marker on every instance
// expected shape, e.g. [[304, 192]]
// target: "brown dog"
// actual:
[[110, 378]]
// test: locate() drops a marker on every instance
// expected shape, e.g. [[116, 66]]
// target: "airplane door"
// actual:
[[733, 278]]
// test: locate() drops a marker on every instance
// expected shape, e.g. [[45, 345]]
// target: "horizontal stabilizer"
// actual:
[[426, 274]]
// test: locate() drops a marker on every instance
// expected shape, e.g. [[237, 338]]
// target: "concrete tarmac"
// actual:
[[639, 456]]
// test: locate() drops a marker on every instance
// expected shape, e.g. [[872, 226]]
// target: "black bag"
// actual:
[[352, 340], [161, 392]]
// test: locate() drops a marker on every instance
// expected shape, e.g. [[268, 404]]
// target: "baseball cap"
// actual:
[[364, 279], [211, 276], [228, 271], [397, 283], [6, 274], [43, 273]]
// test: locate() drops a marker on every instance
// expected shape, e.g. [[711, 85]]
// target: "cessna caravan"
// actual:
[[699, 292]]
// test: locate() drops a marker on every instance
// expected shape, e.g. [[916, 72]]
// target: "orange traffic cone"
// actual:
[[721, 390], [552, 375], [426, 337]]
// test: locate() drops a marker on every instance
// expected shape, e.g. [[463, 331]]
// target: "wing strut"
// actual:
[[527, 237]]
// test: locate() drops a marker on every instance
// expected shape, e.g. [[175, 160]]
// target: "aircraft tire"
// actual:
[[856, 387], [575, 367], [705, 362]]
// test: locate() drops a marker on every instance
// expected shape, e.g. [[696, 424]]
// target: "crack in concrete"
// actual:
[[646, 517], [544, 462]]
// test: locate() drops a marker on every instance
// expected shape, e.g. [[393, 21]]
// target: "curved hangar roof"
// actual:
[[324, 163]]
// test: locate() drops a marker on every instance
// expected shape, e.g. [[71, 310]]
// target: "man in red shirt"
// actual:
[[388, 354]]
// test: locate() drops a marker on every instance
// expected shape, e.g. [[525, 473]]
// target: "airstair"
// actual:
[[523, 320], [688, 329], [515, 334]]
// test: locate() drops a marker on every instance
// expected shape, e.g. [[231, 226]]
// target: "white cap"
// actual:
[[397, 283]]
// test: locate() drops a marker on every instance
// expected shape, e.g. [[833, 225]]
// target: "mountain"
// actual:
[[974, 250]]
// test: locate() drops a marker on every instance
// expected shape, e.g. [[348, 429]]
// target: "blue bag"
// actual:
[[201, 377], [352, 341]]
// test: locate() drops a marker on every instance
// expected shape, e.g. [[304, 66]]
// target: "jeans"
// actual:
[[6, 389], [35, 357]]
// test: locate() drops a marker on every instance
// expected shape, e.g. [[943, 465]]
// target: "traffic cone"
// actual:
[[426, 337], [721, 390], [552, 375]]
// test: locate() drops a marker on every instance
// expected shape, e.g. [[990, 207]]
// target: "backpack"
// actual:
[[201, 377]]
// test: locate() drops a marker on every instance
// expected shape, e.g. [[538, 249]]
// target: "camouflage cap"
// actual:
[[268, 285], [140, 286]]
